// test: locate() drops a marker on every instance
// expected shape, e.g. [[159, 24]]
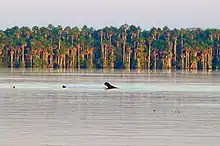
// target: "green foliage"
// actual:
[[38, 63], [57, 40]]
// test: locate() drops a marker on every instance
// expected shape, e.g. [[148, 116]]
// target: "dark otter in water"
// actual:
[[109, 86], [63, 86], [13, 87]]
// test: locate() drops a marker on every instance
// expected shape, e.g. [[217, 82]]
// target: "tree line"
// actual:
[[124, 47]]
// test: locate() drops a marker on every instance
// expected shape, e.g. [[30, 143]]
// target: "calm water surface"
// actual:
[[149, 109]]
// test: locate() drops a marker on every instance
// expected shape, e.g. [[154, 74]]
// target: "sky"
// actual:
[[101, 13]]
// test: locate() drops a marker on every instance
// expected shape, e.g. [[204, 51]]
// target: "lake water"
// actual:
[[148, 109]]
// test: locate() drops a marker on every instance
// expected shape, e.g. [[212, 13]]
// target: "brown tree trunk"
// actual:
[[138, 63], [73, 56], [155, 61], [45, 62], [64, 60], [149, 53], [58, 60], [78, 56], [203, 60], [23, 59], [174, 52], [194, 63], [17, 56], [105, 57], [12, 58], [182, 61], [187, 60], [91, 58], [129, 60], [1, 56], [210, 58], [169, 64], [112, 64], [124, 49], [170, 56]]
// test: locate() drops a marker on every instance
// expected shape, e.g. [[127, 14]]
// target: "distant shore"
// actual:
[[126, 47]]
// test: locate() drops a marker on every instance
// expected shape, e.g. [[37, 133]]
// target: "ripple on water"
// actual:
[[84, 114]]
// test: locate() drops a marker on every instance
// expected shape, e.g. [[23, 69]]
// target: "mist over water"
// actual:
[[149, 108]]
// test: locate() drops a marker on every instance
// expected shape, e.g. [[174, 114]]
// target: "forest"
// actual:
[[124, 47]]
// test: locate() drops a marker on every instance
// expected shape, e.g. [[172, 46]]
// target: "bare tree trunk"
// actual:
[[129, 60], [174, 52], [23, 60], [170, 56], [112, 64], [155, 61], [138, 63], [73, 58], [59, 44], [149, 53], [203, 60], [12, 58], [163, 63], [64, 61], [105, 58], [124, 48], [58, 61], [210, 59], [78, 56], [169, 64], [91, 59]]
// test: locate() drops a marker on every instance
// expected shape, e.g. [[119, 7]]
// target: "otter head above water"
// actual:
[[109, 86]]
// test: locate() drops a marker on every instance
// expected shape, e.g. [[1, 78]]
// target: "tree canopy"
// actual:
[[125, 47]]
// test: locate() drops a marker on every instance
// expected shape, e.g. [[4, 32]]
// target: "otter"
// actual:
[[13, 87], [109, 86], [63, 86]]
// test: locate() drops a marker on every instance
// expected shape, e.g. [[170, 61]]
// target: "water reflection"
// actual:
[[73, 70]]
